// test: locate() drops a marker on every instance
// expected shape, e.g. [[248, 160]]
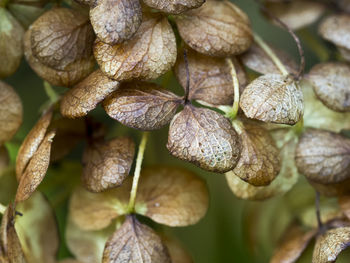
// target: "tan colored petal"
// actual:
[[142, 105], [11, 112], [134, 242], [174, 6], [107, 163], [147, 55], [85, 96], [178, 253], [217, 28], [331, 83], [35, 170], [31, 143], [11, 37], [205, 138], [330, 244], [115, 21], [323, 157], [273, 98], [37, 230]]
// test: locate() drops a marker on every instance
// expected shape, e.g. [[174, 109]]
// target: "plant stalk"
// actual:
[[235, 106], [135, 182]]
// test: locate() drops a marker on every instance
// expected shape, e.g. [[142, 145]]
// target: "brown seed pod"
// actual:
[[205, 138], [61, 37], [11, 37], [85, 96], [174, 6], [273, 98], [331, 83], [210, 78], [296, 14], [147, 55], [115, 21], [107, 164], [10, 112], [142, 105], [259, 162], [323, 156], [256, 59], [135, 242], [217, 28]]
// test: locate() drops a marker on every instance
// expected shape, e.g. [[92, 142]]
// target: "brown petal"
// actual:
[[294, 243], [66, 78], [35, 170], [256, 59], [115, 21], [205, 138], [296, 14], [85, 96], [147, 55], [331, 83], [174, 6], [210, 78], [323, 157], [142, 105], [259, 162], [180, 197], [178, 253], [107, 164], [31, 143], [136, 243], [10, 112], [37, 229], [61, 37], [217, 28], [273, 98], [330, 244], [11, 37]]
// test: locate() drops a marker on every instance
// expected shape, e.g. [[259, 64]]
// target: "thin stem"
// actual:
[[50, 92], [318, 213], [235, 106], [271, 54], [137, 172], [187, 88], [2, 209]]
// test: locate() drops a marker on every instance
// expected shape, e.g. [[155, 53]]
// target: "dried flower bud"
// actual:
[[10, 112], [217, 28], [174, 6], [135, 242], [331, 83], [273, 98], [147, 55], [11, 37], [142, 105], [85, 96], [205, 138], [115, 21]]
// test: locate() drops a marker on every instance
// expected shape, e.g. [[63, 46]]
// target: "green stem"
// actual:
[[51, 93], [137, 172], [271, 54], [2, 209], [235, 106]]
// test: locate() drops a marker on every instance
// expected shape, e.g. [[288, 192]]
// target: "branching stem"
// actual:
[[235, 106], [2, 209], [135, 182]]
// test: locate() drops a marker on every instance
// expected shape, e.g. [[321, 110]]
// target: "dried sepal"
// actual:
[[330, 244], [210, 78], [61, 37], [323, 156], [142, 105], [115, 21], [273, 98], [135, 242], [331, 83], [11, 37], [107, 163], [296, 14], [85, 96], [31, 143], [174, 6], [147, 55], [10, 112], [35, 170], [217, 28], [256, 59], [259, 162], [37, 229], [205, 138]]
